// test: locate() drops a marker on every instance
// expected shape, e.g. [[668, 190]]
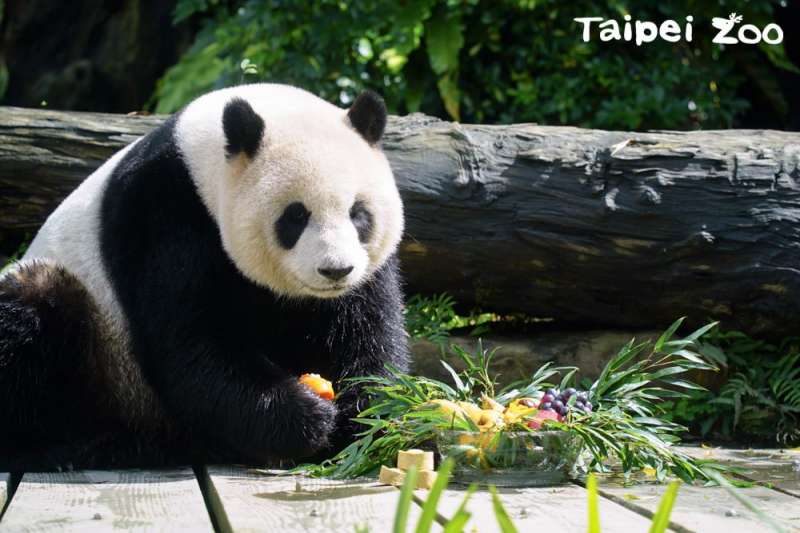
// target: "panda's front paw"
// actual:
[[310, 422]]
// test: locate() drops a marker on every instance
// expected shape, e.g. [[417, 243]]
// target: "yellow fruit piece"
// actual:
[[491, 403], [471, 410], [465, 439], [523, 403], [425, 479], [477, 457], [396, 477], [448, 407], [490, 420], [391, 476], [421, 459], [517, 410], [486, 439]]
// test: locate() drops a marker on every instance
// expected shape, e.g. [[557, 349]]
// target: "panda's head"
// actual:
[[305, 200]]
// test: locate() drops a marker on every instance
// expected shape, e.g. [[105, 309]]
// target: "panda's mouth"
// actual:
[[337, 288], [332, 289]]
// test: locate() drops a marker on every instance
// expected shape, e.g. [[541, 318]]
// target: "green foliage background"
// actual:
[[490, 61]]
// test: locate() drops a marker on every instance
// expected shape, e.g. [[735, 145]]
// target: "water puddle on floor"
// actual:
[[323, 493], [778, 467], [618, 478]]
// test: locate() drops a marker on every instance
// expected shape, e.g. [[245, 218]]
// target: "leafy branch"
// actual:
[[627, 425]]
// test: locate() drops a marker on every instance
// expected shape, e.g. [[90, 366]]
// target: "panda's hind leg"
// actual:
[[48, 336]]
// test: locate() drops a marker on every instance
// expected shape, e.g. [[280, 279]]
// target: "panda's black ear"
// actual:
[[243, 128], [368, 116]]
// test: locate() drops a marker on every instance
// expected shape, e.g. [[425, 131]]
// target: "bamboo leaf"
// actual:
[[500, 513], [404, 503], [667, 335], [457, 380], [432, 501], [693, 357], [702, 331], [457, 523], [661, 518], [685, 384], [594, 513], [461, 516], [567, 378]]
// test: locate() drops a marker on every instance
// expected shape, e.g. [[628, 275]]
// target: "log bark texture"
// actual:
[[589, 227]]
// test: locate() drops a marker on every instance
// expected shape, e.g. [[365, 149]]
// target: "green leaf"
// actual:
[[594, 513], [451, 95], [457, 523], [685, 384], [691, 356], [461, 516], [667, 335], [432, 501], [457, 380], [668, 371], [565, 381], [500, 513], [404, 503], [702, 331], [184, 9], [661, 518], [444, 36]]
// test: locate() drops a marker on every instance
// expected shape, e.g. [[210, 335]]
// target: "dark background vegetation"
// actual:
[[489, 61]]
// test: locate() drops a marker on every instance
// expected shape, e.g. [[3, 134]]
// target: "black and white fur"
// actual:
[[166, 309]]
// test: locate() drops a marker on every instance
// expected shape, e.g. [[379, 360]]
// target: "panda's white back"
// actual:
[[70, 238]]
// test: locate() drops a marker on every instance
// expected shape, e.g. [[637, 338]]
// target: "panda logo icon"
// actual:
[[725, 26]]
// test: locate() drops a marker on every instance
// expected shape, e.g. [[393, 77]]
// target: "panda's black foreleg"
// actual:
[[380, 313], [46, 336], [247, 413]]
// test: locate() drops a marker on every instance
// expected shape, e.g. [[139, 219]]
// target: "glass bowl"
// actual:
[[511, 459]]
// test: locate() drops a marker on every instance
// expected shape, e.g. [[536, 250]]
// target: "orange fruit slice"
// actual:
[[321, 386]]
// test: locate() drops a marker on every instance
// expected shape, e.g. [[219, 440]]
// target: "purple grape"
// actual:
[[563, 411], [557, 405], [547, 406], [569, 392], [552, 392], [548, 398], [583, 397], [587, 407]]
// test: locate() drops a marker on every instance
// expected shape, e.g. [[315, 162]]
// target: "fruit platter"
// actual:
[[512, 445], [539, 431]]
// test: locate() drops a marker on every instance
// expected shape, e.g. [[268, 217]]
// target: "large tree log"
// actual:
[[587, 226]]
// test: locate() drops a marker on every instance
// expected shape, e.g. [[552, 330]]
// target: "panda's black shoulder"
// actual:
[[153, 221], [156, 151], [149, 188]]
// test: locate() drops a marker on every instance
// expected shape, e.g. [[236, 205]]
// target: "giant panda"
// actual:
[[166, 308]]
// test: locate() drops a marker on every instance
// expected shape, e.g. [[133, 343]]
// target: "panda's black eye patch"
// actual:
[[362, 220], [291, 224]]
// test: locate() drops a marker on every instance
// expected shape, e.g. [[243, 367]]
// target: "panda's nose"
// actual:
[[335, 274]]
